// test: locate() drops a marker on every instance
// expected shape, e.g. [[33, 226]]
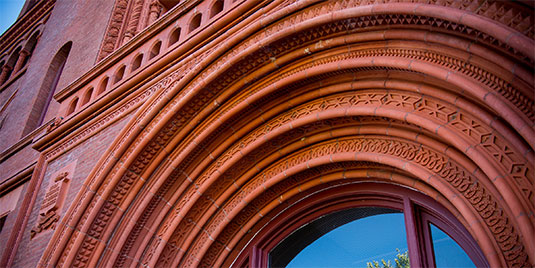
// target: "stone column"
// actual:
[[5, 74], [23, 54]]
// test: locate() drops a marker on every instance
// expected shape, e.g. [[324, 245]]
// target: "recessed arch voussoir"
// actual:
[[237, 204], [322, 181], [175, 134]]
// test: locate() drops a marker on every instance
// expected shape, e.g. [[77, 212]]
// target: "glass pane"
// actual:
[[447, 252], [378, 236]]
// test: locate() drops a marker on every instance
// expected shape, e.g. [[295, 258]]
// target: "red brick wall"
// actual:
[[83, 23], [11, 218], [17, 162], [86, 154]]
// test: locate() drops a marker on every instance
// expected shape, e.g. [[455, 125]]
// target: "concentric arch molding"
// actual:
[[150, 125], [437, 166]]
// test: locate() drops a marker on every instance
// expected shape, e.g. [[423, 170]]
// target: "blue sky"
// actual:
[[9, 11], [374, 238], [356, 243]]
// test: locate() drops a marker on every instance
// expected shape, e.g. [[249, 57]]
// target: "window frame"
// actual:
[[418, 210], [468, 245]]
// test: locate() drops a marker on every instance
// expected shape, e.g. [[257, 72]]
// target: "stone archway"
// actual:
[[435, 98], [342, 193]]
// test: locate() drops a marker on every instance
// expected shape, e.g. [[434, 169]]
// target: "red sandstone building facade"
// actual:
[[157, 133]]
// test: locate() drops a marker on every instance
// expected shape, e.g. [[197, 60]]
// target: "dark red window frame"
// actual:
[[418, 210]]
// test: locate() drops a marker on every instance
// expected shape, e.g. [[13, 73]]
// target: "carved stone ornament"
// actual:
[[52, 202], [55, 124], [441, 113], [47, 221]]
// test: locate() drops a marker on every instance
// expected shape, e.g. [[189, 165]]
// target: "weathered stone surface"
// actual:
[[183, 127]]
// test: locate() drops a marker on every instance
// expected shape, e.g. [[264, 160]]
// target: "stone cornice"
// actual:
[[17, 179], [23, 142], [131, 93], [138, 40]]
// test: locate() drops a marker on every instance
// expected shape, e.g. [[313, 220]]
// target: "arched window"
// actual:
[[8, 68], [3, 73], [87, 96], [50, 83], [30, 46], [20, 59], [103, 85], [216, 8], [137, 62], [155, 50], [174, 37], [195, 22], [119, 74], [360, 224], [72, 106]]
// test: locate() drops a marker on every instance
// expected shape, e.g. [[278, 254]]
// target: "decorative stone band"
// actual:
[[410, 153], [425, 106], [525, 103], [377, 97], [192, 105], [382, 101], [131, 176], [260, 210]]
